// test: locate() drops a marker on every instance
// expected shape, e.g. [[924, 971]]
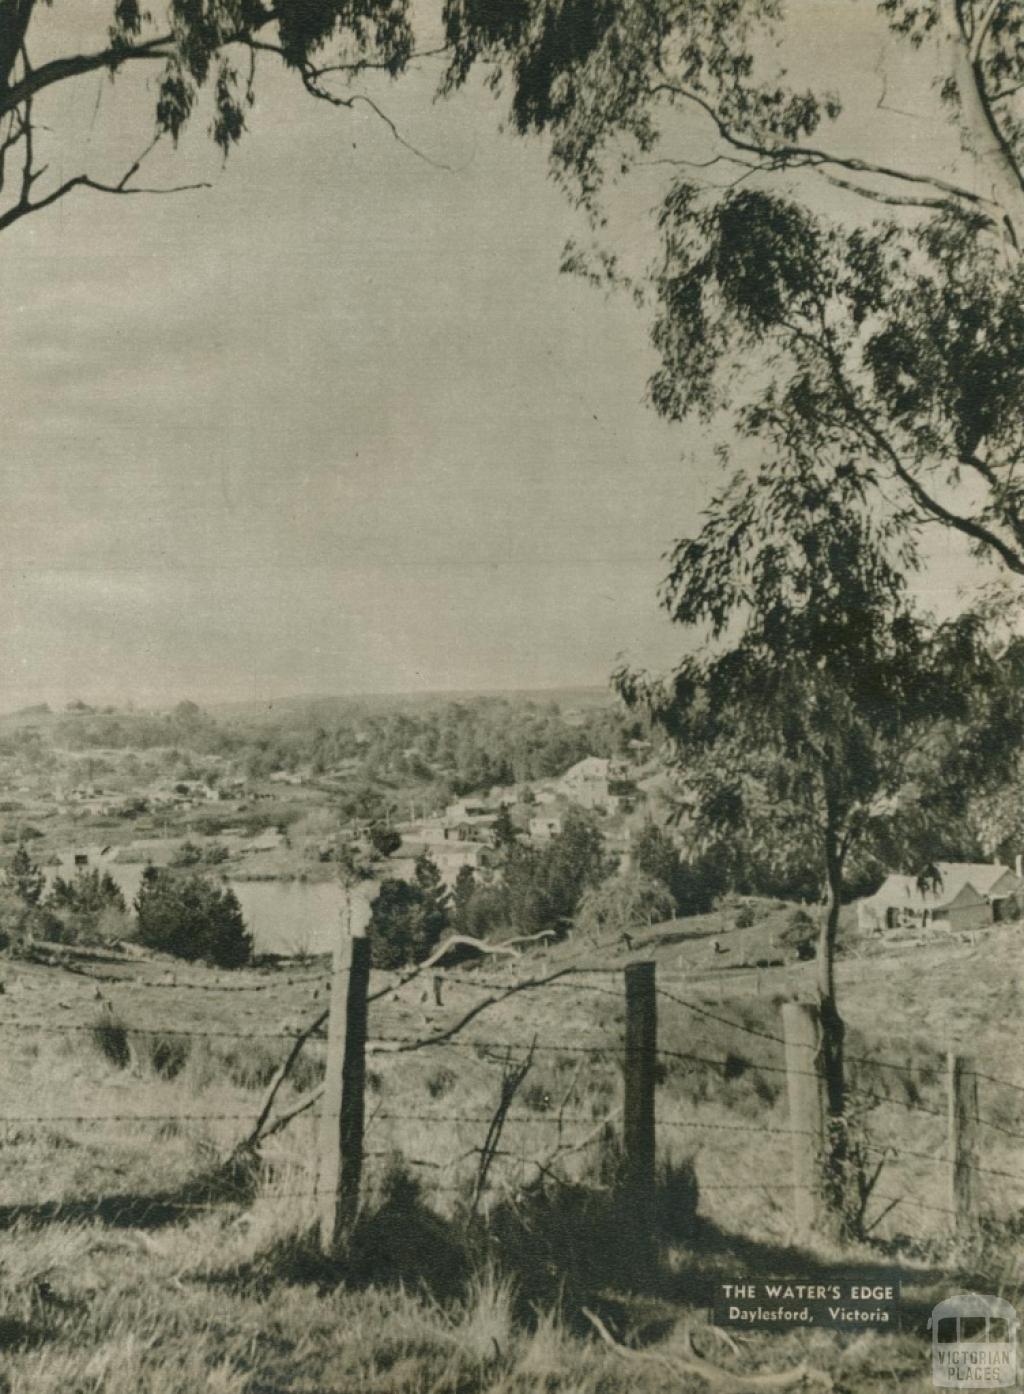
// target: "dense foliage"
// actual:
[[191, 918], [882, 326], [90, 905], [446, 748], [408, 917], [210, 57]]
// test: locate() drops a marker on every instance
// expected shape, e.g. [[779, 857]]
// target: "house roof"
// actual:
[[898, 890], [979, 879], [983, 876]]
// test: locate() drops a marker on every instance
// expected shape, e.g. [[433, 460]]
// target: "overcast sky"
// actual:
[[336, 424]]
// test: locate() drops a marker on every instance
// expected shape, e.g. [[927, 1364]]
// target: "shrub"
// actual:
[[744, 917], [385, 841], [441, 1082], [110, 1037], [167, 1055], [91, 907], [251, 1064], [406, 922], [192, 919]]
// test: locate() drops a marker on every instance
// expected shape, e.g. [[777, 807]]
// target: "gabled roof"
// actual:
[[977, 879], [983, 876], [897, 890]]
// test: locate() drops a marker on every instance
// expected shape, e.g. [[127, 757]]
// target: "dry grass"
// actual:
[[130, 1262]]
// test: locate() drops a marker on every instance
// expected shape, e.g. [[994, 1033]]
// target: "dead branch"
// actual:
[[265, 1129], [712, 1374], [512, 1078], [504, 946], [283, 1119], [278, 1079], [30, 176], [401, 1047], [566, 1149], [311, 81]]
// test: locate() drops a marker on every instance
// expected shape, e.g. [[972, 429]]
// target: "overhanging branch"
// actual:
[[782, 156]]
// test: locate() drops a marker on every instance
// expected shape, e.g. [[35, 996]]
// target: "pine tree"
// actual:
[[192, 919], [26, 878], [462, 895]]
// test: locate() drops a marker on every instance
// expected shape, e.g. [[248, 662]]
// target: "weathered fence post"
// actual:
[[962, 1104], [805, 1088], [341, 1119], [641, 1064]]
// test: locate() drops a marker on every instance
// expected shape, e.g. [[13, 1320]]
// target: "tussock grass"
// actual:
[[138, 1261], [109, 1037]]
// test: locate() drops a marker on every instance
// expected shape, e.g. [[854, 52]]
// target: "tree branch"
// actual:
[[802, 156], [456, 941], [712, 1374], [981, 30], [60, 69], [279, 1078], [311, 82], [894, 200], [27, 205], [859, 417], [402, 1047]]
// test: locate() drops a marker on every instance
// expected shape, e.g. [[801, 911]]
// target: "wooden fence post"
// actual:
[[962, 1105], [805, 1088], [641, 1064], [341, 1118]]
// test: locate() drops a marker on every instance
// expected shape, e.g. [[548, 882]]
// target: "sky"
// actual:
[[336, 423]]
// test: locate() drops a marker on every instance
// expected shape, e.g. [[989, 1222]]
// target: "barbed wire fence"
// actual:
[[636, 1125]]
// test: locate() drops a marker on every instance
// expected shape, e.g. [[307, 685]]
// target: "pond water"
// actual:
[[284, 917], [287, 917]]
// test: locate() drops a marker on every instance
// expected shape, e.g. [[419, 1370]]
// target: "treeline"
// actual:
[[454, 747], [175, 912], [572, 882], [89, 907], [468, 746]]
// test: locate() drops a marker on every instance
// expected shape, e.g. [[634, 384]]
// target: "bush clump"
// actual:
[[192, 919]]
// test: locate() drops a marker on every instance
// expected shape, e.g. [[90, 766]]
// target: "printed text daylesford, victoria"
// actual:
[[847, 1302]]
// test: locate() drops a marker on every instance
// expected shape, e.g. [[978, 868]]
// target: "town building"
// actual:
[[956, 895]]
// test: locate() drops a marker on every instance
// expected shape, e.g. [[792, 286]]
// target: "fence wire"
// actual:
[[603, 1050]]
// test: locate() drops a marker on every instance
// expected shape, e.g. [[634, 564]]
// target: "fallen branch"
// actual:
[[504, 946], [712, 1374], [283, 1119], [278, 1079], [263, 1129], [400, 1047], [512, 1078]]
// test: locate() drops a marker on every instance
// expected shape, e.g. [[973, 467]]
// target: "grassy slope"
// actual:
[[148, 1277]]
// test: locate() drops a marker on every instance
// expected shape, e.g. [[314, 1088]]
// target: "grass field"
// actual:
[[131, 1259]]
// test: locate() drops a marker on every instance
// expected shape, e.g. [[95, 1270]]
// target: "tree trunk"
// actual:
[[997, 174], [832, 1022], [841, 1185]]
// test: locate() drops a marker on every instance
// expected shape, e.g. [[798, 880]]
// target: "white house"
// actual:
[[962, 895], [598, 783]]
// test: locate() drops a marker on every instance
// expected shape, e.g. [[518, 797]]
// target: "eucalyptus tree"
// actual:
[[887, 316], [823, 713], [206, 58]]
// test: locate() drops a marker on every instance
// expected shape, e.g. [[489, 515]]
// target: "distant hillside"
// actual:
[[328, 707]]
